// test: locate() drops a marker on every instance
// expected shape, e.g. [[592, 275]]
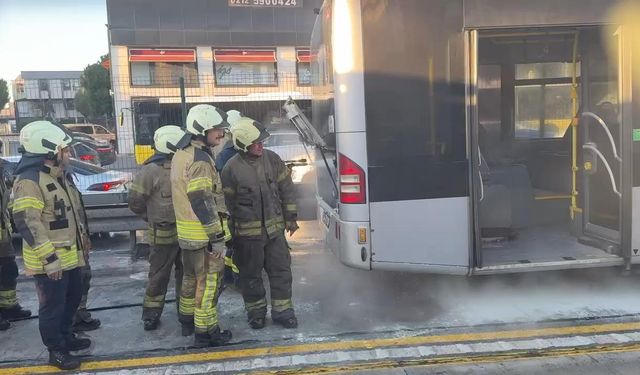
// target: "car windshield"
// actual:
[[287, 139], [85, 169], [82, 129]]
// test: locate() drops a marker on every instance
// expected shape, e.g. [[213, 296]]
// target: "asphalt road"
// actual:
[[336, 304]]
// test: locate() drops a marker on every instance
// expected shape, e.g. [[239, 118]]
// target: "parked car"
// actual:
[[95, 131], [287, 144], [105, 151], [83, 152]]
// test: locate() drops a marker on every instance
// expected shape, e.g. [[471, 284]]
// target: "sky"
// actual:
[[51, 35]]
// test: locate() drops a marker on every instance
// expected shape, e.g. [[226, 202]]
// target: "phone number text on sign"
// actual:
[[266, 3]]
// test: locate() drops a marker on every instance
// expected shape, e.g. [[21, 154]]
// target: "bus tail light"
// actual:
[[352, 180]]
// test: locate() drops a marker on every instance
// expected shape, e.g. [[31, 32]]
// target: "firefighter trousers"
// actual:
[[162, 260], [251, 256], [201, 281], [8, 277]]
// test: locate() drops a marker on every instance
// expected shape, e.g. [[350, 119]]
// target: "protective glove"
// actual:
[[291, 227], [54, 269], [217, 249]]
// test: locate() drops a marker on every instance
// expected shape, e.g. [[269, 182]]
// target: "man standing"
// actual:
[[47, 211], [150, 198], [261, 199], [10, 309], [200, 220]]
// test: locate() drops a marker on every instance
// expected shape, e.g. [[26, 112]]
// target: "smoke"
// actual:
[[349, 300]]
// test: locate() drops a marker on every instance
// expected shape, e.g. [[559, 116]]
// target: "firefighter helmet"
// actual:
[[43, 138], [233, 116], [166, 138], [203, 117], [247, 132]]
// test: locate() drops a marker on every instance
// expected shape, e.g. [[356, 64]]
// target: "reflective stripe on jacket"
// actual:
[[48, 212], [197, 197], [150, 198]]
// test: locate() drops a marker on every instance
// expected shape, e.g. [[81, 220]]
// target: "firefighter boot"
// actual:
[[15, 313], [4, 325], [219, 337], [257, 322], [83, 321], [151, 324], [74, 343], [63, 360], [187, 329], [201, 340]]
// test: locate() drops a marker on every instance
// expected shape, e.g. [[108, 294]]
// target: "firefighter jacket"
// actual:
[[197, 196], [150, 198], [6, 247], [48, 212], [259, 193]]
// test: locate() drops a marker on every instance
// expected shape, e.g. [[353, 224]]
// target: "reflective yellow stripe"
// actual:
[[8, 298], [187, 305], [22, 203], [225, 228], [164, 236], [283, 175], [280, 305], [191, 230], [257, 305], [154, 302], [206, 316], [291, 207], [68, 257], [228, 261], [43, 250], [200, 183]]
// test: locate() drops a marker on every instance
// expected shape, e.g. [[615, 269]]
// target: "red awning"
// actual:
[[162, 55], [244, 55], [303, 55]]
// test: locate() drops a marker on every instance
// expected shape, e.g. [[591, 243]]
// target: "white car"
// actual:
[[287, 144]]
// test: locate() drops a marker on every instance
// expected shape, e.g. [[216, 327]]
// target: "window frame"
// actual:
[[542, 82], [275, 83], [188, 84]]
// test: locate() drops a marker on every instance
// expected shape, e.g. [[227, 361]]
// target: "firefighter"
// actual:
[[150, 198], [228, 151], [10, 309], [47, 211], [201, 217], [261, 199]]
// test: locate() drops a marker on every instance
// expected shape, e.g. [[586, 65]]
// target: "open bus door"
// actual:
[[605, 127]]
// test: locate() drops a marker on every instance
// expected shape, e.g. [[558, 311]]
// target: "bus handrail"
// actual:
[[606, 129], [592, 147]]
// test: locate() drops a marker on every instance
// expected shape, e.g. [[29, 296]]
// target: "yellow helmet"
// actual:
[[233, 116], [43, 138], [203, 117], [246, 132], [166, 138]]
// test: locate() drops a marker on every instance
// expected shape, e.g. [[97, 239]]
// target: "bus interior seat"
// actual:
[[507, 199]]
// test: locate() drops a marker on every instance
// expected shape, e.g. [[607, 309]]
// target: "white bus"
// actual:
[[477, 136]]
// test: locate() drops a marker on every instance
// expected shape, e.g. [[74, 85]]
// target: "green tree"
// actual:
[[4, 93], [93, 99]]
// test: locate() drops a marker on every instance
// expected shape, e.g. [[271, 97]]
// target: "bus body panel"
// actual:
[[527, 13], [426, 231], [635, 221]]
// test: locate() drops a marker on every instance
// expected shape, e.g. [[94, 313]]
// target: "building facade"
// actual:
[[46, 94], [249, 55]]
